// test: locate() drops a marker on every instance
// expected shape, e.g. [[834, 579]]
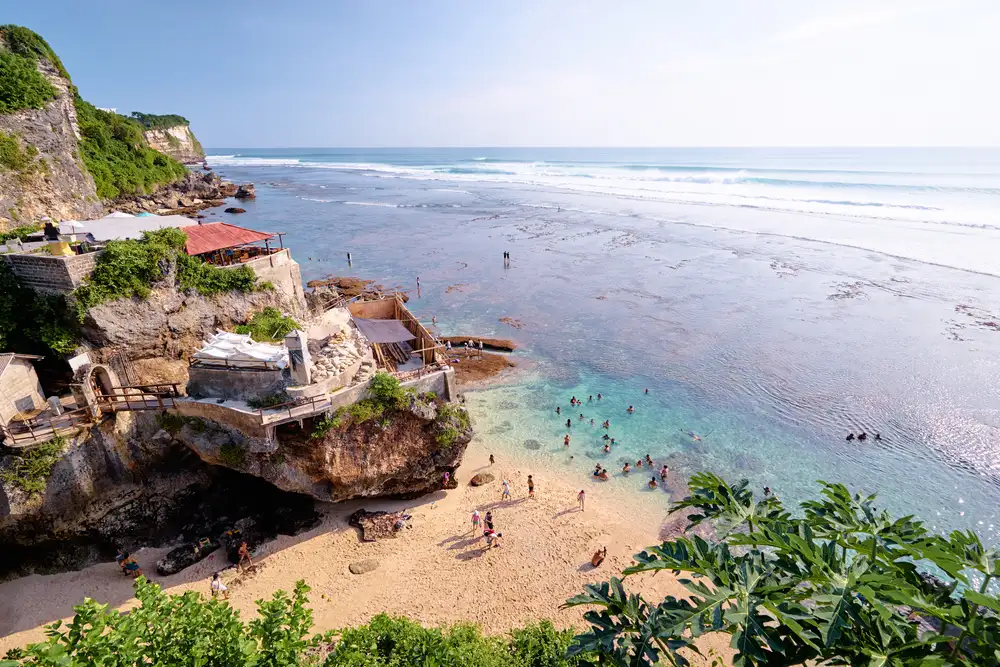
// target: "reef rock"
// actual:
[[235, 209], [246, 191], [481, 478], [363, 566]]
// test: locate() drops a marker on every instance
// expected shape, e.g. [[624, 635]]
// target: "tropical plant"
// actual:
[[269, 324], [844, 583]]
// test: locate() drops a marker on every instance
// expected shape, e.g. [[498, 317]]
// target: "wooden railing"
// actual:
[[294, 409], [242, 364], [140, 397], [21, 433]]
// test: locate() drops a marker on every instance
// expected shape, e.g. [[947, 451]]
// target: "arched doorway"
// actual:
[[103, 381]]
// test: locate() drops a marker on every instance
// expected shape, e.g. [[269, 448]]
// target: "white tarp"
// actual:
[[236, 347]]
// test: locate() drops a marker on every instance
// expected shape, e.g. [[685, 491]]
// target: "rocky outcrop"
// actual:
[[178, 142], [246, 191], [127, 484], [235, 209], [404, 454], [53, 181], [194, 192], [169, 325]]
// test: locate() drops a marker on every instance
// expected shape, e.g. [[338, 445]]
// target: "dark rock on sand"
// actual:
[[376, 525], [363, 566], [481, 478], [235, 209], [184, 556]]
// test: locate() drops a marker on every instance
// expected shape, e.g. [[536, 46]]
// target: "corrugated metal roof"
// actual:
[[112, 228], [218, 235], [8, 357]]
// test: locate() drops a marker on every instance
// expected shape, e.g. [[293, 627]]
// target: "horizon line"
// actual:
[[675, 147]]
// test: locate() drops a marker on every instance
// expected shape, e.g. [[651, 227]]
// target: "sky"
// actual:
[[540, 73]]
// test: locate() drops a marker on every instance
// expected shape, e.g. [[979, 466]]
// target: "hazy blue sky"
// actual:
[[540, 72]]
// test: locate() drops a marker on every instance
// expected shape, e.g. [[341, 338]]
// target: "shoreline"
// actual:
[[436, 572]]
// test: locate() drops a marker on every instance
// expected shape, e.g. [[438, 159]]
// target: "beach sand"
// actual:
[[435, 572]]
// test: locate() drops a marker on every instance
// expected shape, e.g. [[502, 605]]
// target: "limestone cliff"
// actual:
[[405, 454], [158, 332], [48, 177], [178, 142]]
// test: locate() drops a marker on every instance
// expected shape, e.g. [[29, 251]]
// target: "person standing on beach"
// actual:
[[489, 520], [506, 491], [531, 487], [580, 497], [475, 521], [492, 461], [219, 588]]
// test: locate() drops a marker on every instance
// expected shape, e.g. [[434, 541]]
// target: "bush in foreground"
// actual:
[[182, 630]]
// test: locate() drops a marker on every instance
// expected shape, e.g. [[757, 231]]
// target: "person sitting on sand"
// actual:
[[566, 441], [607, 448], [219, 588], [663, 471], [863, 436], [627, 469], [598, 557], [652, 482], [120, 558], [131, 567], [850, 436], [630, 409], [244, 554]]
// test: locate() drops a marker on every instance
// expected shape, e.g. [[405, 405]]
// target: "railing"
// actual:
[[32, 431], [240, 364], [294, 409], [140, 397]]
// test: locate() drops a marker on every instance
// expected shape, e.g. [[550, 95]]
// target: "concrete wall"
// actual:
[[20, 390], [53, 275], [247, 423], [322, 387], [239, 385], [280, 269]]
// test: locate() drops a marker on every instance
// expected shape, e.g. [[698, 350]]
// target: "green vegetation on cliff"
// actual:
[[22, 85], [152, 121], [188, 630], [130, 268], [33, 323], [29, 469], [117, 155], [269, 325]]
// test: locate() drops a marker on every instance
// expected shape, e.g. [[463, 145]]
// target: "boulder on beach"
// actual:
[[481, 478], [363, 566], [235, 209], [184, 556], [376, 525]]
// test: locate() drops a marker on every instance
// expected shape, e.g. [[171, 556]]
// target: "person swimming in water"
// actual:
[[581, 416], [607, 448], [630, 409], [767, 491], [877, 437], [572, 401], [598, 397], [663, 471], [694, 436], [591, 422], [850, 436], [647, 390], [590, 398], [612, 441], [558, 410], [569, 423], [627, 468], [638, 464], [607, 423], [652, 482], [863, 436], [566, 441], [597, 470], [649, 461]]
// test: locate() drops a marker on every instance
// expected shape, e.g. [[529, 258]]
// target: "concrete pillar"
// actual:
[[298, 358]]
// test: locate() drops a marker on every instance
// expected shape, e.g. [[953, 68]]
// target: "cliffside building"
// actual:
[[20, 391]]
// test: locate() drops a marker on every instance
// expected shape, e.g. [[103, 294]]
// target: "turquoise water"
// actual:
[[771, 301]]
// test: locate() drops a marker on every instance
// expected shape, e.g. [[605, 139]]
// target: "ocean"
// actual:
[[770, 300]]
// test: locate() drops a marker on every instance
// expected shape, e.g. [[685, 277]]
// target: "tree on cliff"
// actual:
[[844, 583]]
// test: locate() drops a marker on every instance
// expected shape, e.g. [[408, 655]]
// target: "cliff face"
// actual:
[[178, 142], [50, 178], [399, 456], [156, 332]]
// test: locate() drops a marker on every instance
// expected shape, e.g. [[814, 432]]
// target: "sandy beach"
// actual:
[[436, 572]]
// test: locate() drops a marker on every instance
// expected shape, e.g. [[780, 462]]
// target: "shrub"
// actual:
[[430, 396], [152, 121], [116, 154], [269, 324], [29, 469], [325, 425], [170, 422], [31, 322], [21, 232], [365, 410], [232, 455], [839, 584], [265, 402], [22, 86], [385, 389], [29, 45], [19, 160]]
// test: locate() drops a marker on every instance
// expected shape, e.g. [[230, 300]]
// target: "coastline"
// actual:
[[436, 572]]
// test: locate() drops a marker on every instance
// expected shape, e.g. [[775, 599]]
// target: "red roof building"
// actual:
[[207, 238]]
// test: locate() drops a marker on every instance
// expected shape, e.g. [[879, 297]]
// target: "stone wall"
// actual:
[[284, 272], [235, 384], [53, 275], [20, 390]]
